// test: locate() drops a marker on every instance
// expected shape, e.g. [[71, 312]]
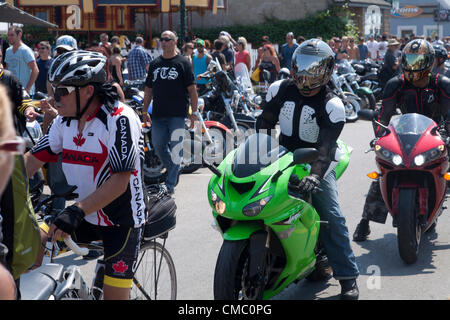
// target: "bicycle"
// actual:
[[154, 278]]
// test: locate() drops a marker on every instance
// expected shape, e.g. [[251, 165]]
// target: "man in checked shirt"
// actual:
[[138, 61]]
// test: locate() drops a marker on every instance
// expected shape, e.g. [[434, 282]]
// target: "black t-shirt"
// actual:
[[169, 79], [220, 57], [41, 80]]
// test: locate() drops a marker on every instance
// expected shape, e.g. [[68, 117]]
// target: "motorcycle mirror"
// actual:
[[305, 155], [212, 168], [367, 114], [434, 131]]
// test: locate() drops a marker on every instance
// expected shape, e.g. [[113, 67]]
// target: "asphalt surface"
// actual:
[[194, 245]]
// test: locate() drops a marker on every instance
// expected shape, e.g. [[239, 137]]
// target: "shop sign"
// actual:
[[407, 11]]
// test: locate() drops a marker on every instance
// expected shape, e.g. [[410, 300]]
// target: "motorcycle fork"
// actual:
[[229, 112], [258, 251]]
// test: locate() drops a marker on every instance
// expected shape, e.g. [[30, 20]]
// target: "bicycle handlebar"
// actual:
[[75, 248]]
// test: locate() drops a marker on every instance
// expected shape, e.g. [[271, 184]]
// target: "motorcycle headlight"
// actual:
[[388, 155], [254, 208], [429, 155], [219, 205], [257, 100]]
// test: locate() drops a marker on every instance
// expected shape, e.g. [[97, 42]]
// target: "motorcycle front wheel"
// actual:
[[154, 170], [409, 231], [230, 275]]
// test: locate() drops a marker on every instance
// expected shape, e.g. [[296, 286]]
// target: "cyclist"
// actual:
[[310, 115], [101, 143], [415, 90]]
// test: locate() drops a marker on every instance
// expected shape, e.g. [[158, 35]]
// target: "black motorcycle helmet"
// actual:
[[440, 53], [312, 65]]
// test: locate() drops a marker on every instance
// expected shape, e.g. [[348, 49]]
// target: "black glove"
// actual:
[[307, 184], [69, 219], [373, 142]]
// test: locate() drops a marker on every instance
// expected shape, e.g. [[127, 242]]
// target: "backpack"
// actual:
[[161, 215], [20, 228]]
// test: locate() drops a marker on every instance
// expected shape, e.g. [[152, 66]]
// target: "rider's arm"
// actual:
[[330, 130], [32, 164], [391, 95], [269, 117], [47, 149], [444, 99], [113, 188]]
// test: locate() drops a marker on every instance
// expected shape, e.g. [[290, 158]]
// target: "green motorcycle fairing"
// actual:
[[295, 222], [364, 90]]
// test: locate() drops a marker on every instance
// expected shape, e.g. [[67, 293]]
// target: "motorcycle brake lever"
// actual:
[[367, 151]]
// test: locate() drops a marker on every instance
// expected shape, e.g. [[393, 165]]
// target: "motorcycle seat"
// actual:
[[370, 76], [40, 283]]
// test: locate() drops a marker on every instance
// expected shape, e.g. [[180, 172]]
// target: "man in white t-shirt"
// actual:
[[372, 45], [20, 60], [382, 48]]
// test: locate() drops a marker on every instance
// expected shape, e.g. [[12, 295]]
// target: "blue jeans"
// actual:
[[164, 143], [335, 237]]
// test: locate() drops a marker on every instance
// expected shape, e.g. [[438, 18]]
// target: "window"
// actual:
[[406, 31], [120, 17], [100, 17], [41, 15], [433, 31], [58, 16]]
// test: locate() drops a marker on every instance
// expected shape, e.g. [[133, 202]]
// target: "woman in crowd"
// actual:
[[270, 63], [242, 55]]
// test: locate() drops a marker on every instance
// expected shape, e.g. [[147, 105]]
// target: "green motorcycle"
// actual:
[[270, 236]]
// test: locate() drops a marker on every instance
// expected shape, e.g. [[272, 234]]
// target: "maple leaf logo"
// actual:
[[79, 140], [134, 172], [120, 267], [116, 111]]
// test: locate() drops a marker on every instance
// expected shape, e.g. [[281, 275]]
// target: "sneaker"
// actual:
[[349, 290], [362, 231]]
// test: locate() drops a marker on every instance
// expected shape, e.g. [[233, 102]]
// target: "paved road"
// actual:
[[194, 245]]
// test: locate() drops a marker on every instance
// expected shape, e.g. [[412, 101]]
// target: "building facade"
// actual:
[[428, 18], [371, 17]]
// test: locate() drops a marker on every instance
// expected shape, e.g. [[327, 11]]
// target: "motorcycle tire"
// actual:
[[372, 101], [409, 231], [219, 138], [351, 109], [230, 268], [154, 171], [191, 161]]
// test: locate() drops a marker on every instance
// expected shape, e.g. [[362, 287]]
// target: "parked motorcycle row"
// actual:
[[227, 110]]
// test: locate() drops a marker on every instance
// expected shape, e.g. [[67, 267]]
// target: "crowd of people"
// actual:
[[85, 87]]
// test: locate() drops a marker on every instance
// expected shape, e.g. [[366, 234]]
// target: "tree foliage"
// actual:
[[334, 21]]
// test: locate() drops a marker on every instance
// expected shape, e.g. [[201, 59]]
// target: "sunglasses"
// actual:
[[62, 91], [16, 146], [61, 50], [167, 39]]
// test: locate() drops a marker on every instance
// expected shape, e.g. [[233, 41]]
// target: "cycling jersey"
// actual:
[[111, 142], [315, 121]]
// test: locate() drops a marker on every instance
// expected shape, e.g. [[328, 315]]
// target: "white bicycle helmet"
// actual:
[[78, 69]]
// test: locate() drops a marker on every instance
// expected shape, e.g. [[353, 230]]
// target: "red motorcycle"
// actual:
[[413, 162]]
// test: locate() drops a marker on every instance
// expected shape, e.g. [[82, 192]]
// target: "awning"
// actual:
[[12, 14]]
